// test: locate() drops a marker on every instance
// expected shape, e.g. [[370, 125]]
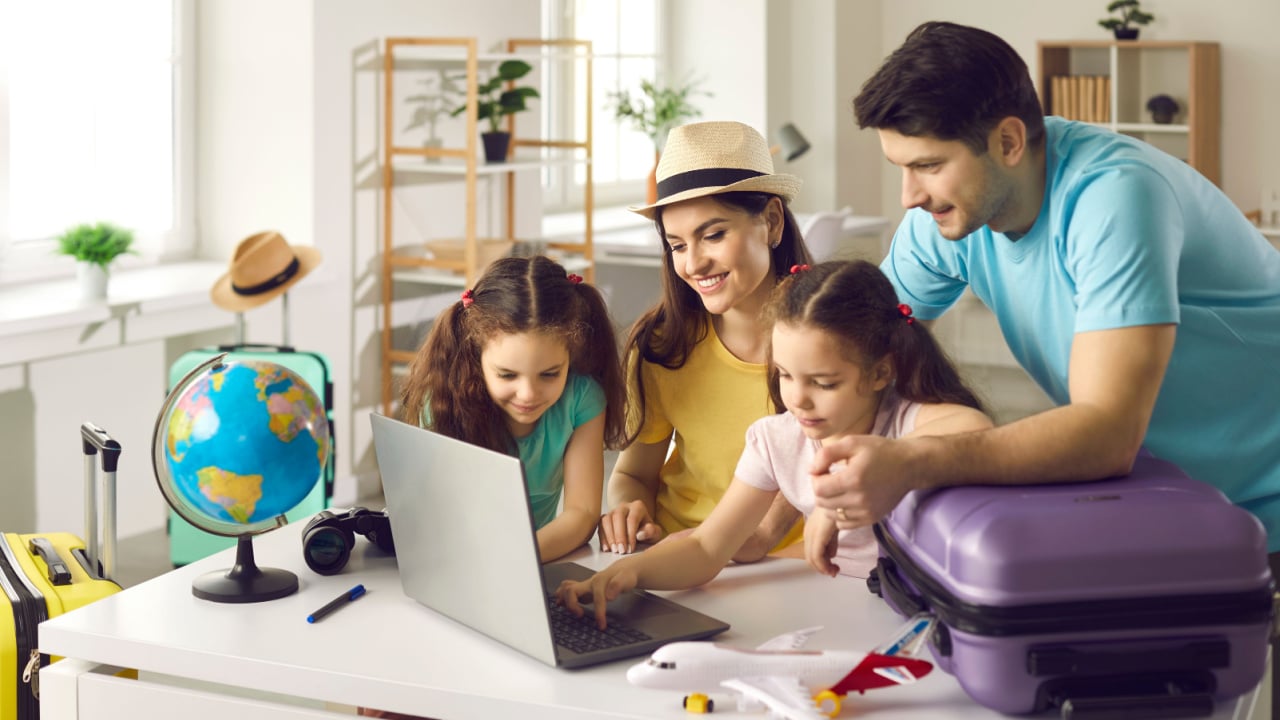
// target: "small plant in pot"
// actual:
[[654, 111], [439, 94], [493, 103], [1131, 16], [1162, 109], [94, 246]]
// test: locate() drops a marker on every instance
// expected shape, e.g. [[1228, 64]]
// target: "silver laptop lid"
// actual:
[[464, 533]]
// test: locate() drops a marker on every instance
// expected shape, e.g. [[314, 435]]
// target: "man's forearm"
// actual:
[[1073, 442]]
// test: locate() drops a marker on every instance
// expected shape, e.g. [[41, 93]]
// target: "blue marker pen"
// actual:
[[334, 604]]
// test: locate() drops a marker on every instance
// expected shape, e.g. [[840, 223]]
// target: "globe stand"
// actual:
[[245, 582]]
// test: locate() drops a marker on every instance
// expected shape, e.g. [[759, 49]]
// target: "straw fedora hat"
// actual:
[[708, 158], [263, 266]]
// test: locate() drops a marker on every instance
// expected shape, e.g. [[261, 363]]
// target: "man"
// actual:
[[1129, 287]]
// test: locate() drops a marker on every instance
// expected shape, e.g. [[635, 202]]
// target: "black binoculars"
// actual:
[[328, 537]]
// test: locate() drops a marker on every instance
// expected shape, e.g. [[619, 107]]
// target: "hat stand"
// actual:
[[284, 323], [284, 319]]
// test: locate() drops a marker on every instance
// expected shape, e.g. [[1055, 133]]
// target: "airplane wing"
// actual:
[[784, 697], [789, 641]]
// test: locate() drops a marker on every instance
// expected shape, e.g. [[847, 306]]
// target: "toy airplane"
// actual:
[[791, 683]]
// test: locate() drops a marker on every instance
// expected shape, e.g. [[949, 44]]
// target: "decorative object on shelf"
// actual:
[[1131, 15], [263, 267], [94, 246], [654, 111], [1162, 109], [439, 95], [493, 105], [487, 250]]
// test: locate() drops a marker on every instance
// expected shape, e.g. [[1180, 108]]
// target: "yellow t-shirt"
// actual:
[[709, 403]]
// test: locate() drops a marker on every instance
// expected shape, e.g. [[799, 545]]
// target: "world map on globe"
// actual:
[[244, 442]]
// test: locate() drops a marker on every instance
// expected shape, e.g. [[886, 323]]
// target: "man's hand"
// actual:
[[861, 479]]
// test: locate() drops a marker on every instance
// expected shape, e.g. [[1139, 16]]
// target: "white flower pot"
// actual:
[[93, 281]]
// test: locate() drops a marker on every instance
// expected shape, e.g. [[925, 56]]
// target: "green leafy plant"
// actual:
[[655, 110], [96, 243], [1130, 15], [439, 93], [493, 105]]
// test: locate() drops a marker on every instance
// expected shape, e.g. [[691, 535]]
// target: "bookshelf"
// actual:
[[425, 261], [1108, 82]]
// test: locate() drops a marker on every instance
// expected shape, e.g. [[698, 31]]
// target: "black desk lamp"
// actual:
[[790, 143]]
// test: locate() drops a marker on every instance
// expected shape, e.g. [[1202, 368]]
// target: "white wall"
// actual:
[[723, 44], [289, 119], [1250, 66]]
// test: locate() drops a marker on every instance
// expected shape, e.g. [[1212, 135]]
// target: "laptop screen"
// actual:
[[465, 539]]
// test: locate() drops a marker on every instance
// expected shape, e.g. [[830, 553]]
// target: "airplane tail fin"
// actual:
[[910, 638]]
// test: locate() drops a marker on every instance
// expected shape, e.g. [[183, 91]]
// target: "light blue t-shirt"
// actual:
[[1127, 236], [542, 451]]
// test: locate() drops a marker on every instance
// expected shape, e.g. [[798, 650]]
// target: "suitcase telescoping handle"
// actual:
[[96, 440]]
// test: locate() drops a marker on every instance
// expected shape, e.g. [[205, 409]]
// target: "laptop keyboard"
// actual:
[[581, 635]]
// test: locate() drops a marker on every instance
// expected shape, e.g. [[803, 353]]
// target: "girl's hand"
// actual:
[[627, 523], [820, 541], [598, 589]]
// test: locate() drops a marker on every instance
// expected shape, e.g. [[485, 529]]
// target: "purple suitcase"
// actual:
[[1144, 595]]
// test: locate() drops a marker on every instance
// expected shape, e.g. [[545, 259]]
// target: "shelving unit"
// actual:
[[414, 263], [1136, 70]]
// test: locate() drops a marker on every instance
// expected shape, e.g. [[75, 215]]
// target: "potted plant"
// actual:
[[94, 246], [1131, 16], [493, 103], [654, 111], [439, 94], [1162, 109]]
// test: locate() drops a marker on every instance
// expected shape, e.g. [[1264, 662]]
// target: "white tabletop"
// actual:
[[386, 651]]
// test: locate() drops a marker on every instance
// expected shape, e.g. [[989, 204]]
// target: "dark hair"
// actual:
[[854, 302], [951, 82], [668, 331], [515, 295]]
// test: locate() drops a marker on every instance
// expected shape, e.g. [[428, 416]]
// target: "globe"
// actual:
[[237, 445]]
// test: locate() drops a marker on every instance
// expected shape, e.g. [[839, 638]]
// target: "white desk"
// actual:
[[639, 245], [386, 651]]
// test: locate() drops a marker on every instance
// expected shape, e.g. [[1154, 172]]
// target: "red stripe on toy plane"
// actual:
[[864, 677]]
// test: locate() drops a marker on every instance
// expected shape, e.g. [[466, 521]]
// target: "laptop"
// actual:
[[466, 549]]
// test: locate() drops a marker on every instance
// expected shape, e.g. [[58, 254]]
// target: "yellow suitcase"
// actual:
[[44, 575]]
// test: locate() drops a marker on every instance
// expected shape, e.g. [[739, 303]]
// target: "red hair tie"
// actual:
[[575, 279], [905, 309], [468, 297], [798, 268]]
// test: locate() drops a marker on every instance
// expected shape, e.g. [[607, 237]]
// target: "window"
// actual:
[[92, 127], [626, 48]]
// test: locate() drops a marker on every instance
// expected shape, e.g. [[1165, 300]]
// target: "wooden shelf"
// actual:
[[1137, 70], [401, 163], [413, 160]]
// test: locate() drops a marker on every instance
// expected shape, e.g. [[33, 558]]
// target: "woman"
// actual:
[[696, 360]]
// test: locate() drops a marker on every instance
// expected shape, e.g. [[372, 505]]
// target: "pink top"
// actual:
[[777, 458]]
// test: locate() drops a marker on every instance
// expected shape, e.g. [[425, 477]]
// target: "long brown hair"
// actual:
[[515, 295], [854, 302], [668, 331]]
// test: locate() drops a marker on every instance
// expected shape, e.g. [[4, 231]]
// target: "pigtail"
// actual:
[[854, 301], [598, 359], [924, 372], [445, 378]]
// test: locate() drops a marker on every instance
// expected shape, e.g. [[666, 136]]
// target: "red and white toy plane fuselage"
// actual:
[[791, 682]]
